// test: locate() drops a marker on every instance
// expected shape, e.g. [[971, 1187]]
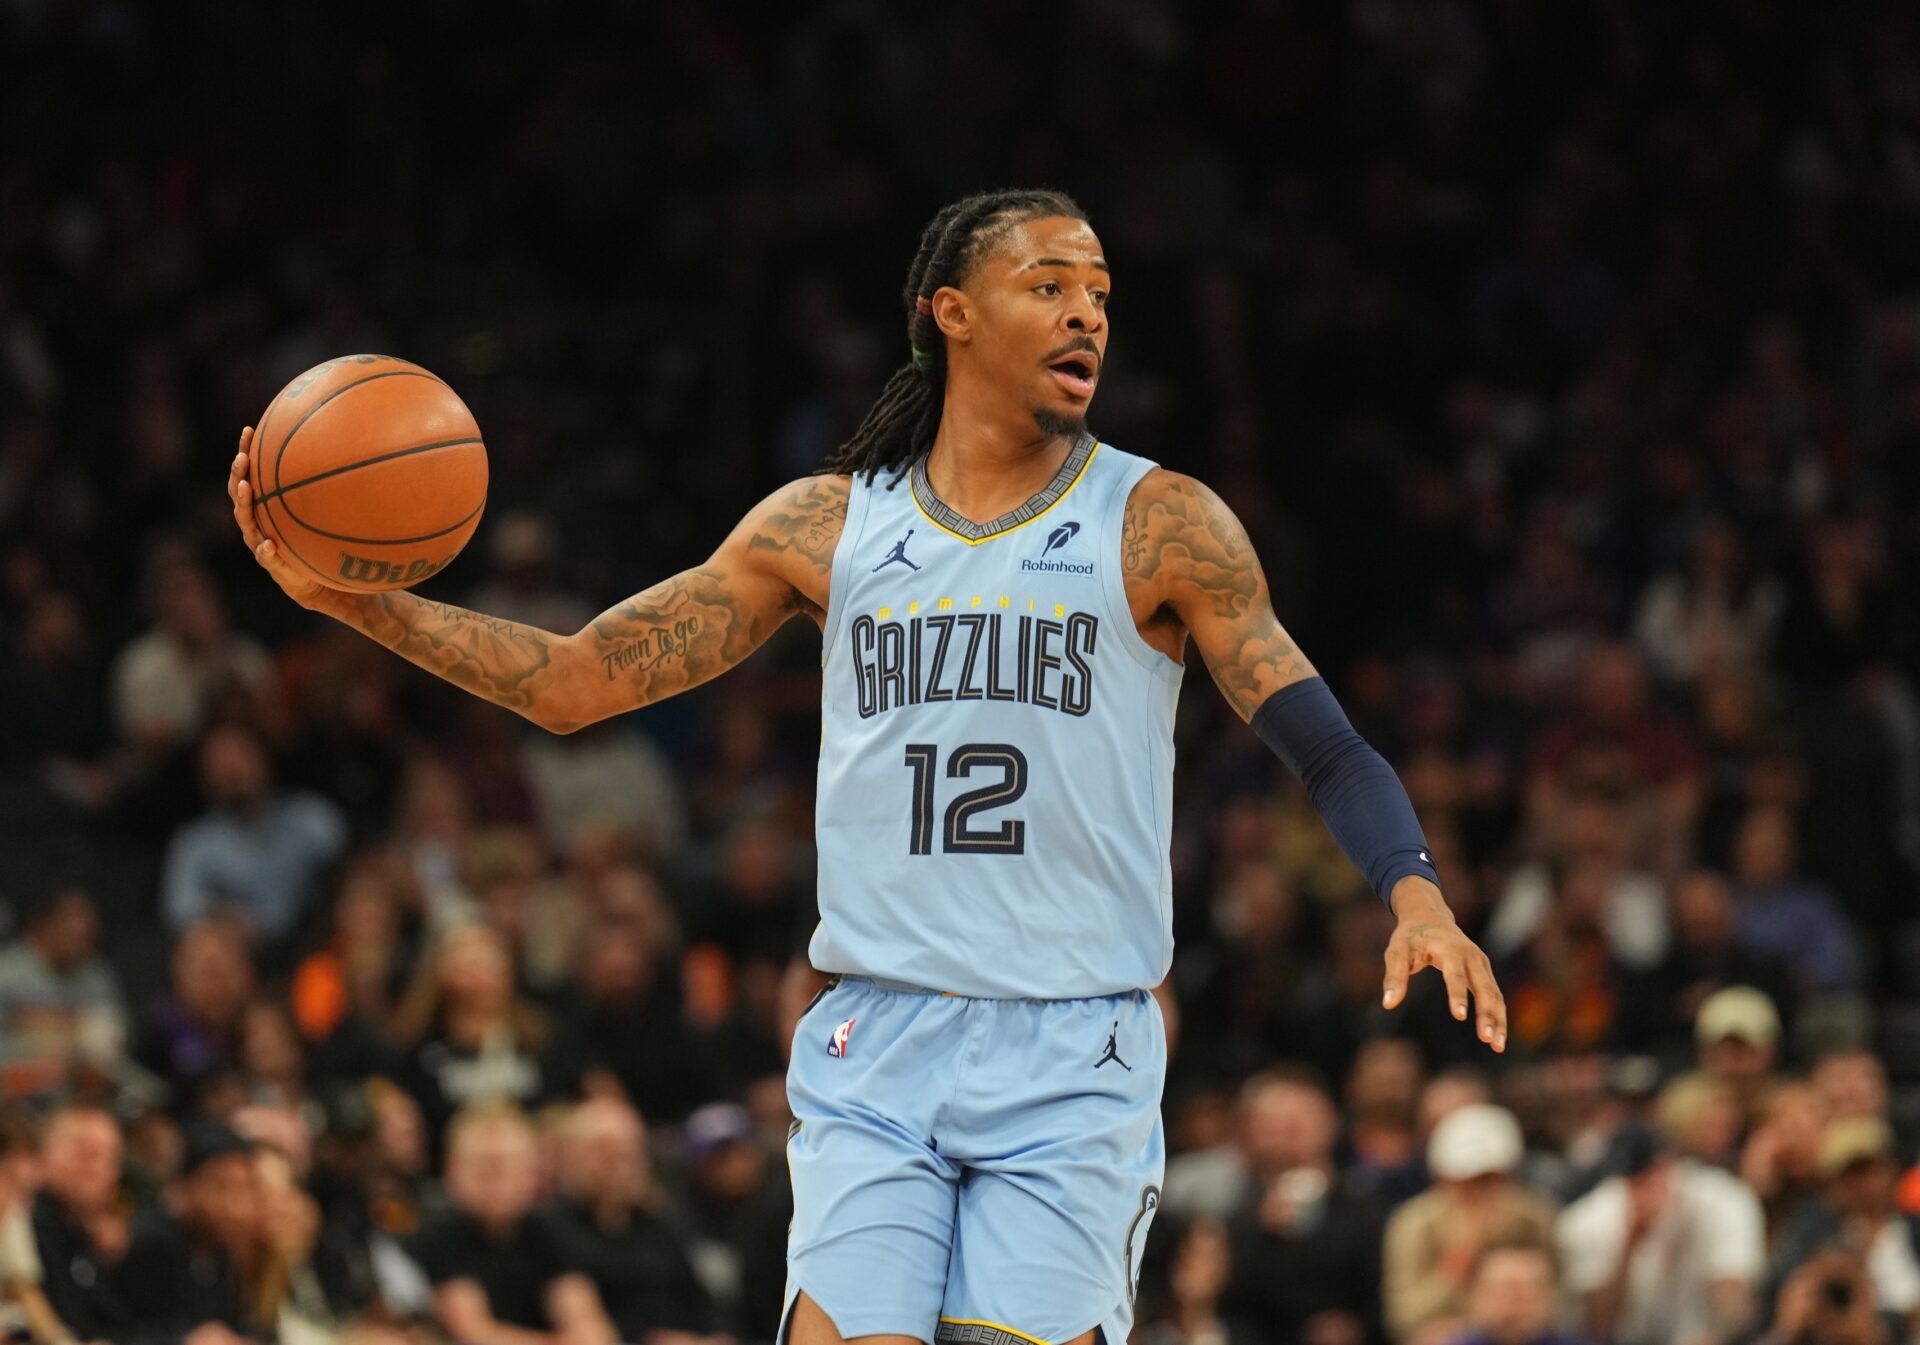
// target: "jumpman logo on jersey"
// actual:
[[1113, 1050], [899, 553]]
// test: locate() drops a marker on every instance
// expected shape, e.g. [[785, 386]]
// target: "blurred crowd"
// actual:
[[1563, 359]]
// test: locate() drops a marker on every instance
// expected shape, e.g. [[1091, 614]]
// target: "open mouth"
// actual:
[[1076, 374]]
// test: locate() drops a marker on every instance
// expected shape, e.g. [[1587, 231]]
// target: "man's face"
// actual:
[[1865, 1188], [493, 1172], [1513, 1295], [1287, 1125], [1736, 1059], [223, 1197], [71, 930], [605, 1152], [80, 1160], [1037, 318], [233, 767]]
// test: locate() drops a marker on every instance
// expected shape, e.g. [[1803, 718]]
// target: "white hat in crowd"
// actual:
[[1474, 1140], [1738, 1011]]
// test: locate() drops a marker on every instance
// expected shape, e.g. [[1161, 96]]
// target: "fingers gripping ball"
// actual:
[[368, 472]]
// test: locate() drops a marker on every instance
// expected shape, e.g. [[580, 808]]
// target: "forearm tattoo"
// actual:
[[500, 661], [673, 636]]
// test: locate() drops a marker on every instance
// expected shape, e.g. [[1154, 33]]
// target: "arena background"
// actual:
[[1563, 360]]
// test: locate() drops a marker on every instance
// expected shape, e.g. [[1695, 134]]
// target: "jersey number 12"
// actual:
[[958, 836]]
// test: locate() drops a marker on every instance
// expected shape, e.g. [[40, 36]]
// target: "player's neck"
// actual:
[[980, 468]]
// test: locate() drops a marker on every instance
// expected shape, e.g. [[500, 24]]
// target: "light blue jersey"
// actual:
[[996, 768]]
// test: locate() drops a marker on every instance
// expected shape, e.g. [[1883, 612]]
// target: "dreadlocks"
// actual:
[[900, 427]]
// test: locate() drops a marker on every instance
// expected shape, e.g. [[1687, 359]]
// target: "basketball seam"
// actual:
[[330, 580], [368, 462], [280, 456], [383, 541]]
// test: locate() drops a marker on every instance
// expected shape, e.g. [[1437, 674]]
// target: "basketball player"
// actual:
[[1005, 604]]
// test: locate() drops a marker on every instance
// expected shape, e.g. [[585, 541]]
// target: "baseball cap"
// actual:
[[1850, 1140], [1737, 1011], [1635, 1147], [1474, 1140], [715, 1126], [207, 1140]]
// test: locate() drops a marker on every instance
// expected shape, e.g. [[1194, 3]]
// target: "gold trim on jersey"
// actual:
[[1054, 487]]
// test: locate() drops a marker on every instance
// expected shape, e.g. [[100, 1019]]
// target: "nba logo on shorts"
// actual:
[[837, 1044]]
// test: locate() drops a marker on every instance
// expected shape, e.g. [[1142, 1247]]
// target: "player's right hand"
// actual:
[[310, 593]]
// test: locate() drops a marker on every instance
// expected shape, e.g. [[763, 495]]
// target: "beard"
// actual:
[[1052, 422]]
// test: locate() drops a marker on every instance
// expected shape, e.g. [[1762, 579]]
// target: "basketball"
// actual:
[[369, 472]]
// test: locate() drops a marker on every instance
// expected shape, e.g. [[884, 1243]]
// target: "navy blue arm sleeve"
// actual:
[[1359, 797]]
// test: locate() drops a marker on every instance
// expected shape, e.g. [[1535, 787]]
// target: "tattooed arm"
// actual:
[[681, 632], [1191, 570]]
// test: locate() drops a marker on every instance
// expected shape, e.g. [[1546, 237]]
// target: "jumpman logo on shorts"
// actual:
[[899, 553], [1113, 1050]]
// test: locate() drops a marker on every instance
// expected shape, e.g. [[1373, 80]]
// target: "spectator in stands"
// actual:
[[57, 721], [1565, 989], [1737, 1032], [1435, 1240], [1513, 1295], [629, 1026], [1852, 1082], [309, 1277], [1591, 833], [470, 1038], [1701, 1116], [1665, 1249], [609, 1226], [272, 1060], [738, 1206], [1707, 955], [59, 998], [343, 994], [1781, 1159], [498, 1271], [1181, 1306], [1617, 742], [1715, 616], [1282, 1122], [1828, 1301], [1306, 1242], [80, 1225], [1380, 1148], [189, 1274], [21, 1274], [1245, 999], [1784, 915], [257, 853], [169, 681], [193, 1032], [1858, 1211]]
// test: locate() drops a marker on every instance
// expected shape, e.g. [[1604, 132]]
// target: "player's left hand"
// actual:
[[1427, 936]]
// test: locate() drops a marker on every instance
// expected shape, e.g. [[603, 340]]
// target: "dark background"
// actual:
[[1563, 360]]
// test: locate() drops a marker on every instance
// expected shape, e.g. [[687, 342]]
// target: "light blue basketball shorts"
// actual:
[[973, 1170]]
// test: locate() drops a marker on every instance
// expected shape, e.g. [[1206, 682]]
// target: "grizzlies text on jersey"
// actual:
[[996, 765]]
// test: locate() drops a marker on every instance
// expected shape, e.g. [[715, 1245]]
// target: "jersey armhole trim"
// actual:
[[1113, 583], [859, 493]]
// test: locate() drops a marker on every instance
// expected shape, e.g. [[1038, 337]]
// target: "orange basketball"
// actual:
[[369, 472]]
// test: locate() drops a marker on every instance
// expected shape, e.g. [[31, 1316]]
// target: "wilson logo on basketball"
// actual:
[[366, 570]]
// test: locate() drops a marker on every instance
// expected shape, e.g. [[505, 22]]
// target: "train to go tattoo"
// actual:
[[662, 644]]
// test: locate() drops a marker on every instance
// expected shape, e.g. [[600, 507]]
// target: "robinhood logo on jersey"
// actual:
[[1057, 541]]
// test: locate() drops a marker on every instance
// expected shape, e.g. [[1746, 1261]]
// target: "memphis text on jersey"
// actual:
[[974, 649]]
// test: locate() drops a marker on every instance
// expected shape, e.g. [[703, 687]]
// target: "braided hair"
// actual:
[[900, 427]]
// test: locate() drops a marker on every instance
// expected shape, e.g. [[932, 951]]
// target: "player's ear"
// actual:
[[954, 313]]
